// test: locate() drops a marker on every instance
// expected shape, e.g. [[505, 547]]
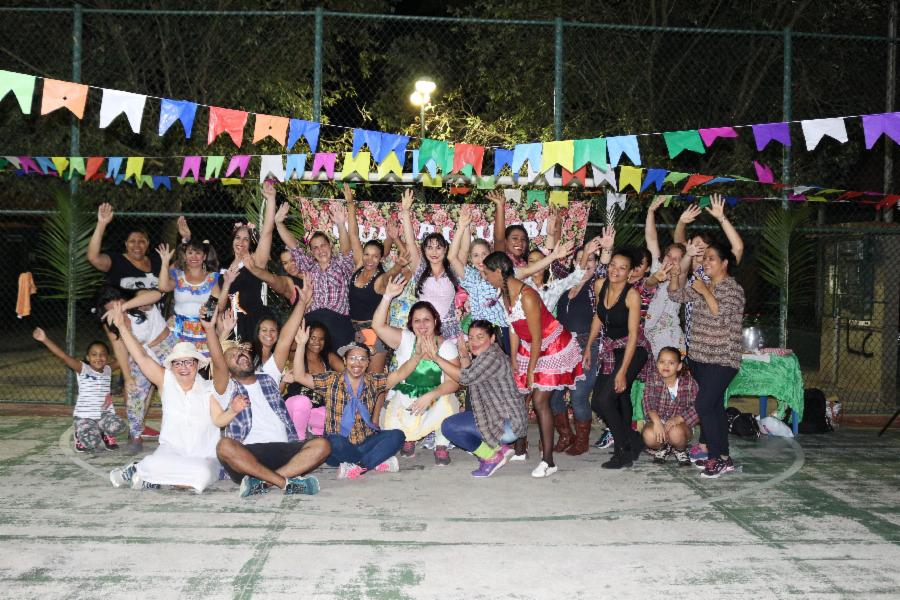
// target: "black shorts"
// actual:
[[272, 455]]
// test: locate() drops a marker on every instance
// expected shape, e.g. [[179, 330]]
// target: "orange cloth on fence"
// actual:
[[26, 289]]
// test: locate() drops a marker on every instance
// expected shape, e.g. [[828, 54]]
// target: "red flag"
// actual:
[[695, 180], [226, 120]]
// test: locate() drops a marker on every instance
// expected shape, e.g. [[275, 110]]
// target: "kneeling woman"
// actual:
[[498, 416], [669, 413], [420, 403], [192, 416]]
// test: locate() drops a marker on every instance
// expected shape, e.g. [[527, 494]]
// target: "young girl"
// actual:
[[669, 413], [95, 420]]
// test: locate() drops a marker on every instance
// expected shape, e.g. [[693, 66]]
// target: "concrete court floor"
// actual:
[[818, 519]]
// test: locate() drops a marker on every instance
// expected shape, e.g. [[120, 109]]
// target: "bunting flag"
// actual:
[[60, 163], [512, 196], [64, 94], [295, 167], [607, 176], [226, 120], [116, 102], [875, 125], [14, 161], [93, 166], [307, 129], [134, 166], [470, 155], [191, 165], [614, 199], [324, 160], [390, 166], [359, 165], [44, 164], [766, 132], [173, 111], [580, 175], [271, 167], [433, 154], [679, 141], [704, 202], [237, 163], [558, 153], [431, 182], [623, 144], [710, 134], [675, 177], [655, 177], [535, 195], [815, 129], [269, 126], [391, 143], [716, 180], [21, 86], [365, 137], [502, 158], [592, 151], [630, 176], [559, 198], [666, 199], [113, 166], [530, 153], [486, 183], [27, 164], [159, 181], [763, 173], [214, 166], [695, 180]]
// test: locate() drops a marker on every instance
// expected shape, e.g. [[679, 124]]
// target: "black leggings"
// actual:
[[615, 409], [712, 381]]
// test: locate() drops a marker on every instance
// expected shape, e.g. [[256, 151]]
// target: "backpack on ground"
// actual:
[[815, 419], [742, 424]]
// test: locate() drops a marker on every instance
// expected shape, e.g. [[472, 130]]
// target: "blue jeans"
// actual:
[[462, 431], [376, 449], [580, 396]]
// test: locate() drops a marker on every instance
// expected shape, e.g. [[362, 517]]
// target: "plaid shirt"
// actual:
[[689, 308], [658, 399], [240, 426], [331, 287], [484, 299], [494, 395], [332, 387], [607, 357]]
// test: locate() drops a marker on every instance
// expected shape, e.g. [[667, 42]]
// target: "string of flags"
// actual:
[[388, 151]]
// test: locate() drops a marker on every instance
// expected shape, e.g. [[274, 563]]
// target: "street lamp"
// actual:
[[422, 97]]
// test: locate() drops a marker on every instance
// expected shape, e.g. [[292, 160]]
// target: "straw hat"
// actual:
[[183, 350], [353, 346]]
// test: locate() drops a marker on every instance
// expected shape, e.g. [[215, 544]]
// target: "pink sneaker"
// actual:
[[391, 465], [350, 471], [441, 456]]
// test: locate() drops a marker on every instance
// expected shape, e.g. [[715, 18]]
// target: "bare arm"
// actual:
[[143, 299], [267, 227], [286, 338], [717, 210], [499, 201], [688, 216], [531, 306], [650, 235], [283, 232], [299, 370], [165, 282], [149, 367], [99, 260], [404, 370], [392, 336], [353, 227], [409, 235], [454, 254], [58, 352], [220, 373], [280, 284], [339, 217], [221, 418], [561, 251]]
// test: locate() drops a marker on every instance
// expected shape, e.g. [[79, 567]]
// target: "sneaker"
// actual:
[[715, 468], [110, 442], [121, 476], [544, 470], [518, 457], [701, 464], [682, 457], [80, 448], [697, 453], [428, 442], [659, 457], [606, 440], [619, 460], [350, 471], [149, 432], [308, 485], [391, 465], [139, 484], [441, 456], [251, 486], [135, 445], [408, 450]]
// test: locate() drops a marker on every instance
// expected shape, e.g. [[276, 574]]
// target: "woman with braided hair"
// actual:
[[545, 356]]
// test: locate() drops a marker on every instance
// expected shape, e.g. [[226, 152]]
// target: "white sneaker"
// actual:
[[391, 465], [519, 457], [350, 471], [544, 470], [121, 476]]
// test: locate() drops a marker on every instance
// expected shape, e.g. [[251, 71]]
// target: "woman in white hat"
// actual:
[[192, 415]]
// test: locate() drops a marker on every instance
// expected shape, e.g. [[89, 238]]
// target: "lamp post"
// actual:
[[421, 97]]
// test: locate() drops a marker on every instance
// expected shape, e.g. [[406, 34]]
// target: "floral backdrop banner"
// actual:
[[373, 218]]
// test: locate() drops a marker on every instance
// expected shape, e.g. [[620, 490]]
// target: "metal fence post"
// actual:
[[317, 67], [783, 297], [74, 140], [558, 81], [889, 107]]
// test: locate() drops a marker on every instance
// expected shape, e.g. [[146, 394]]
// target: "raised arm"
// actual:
[[650, 235], [220, 373], [99, 260], [415, 257], [283, 232], [562, 250], [353, 227], [392, 336], [688, 216], [149, 367], [280, 284], [554, 228], [54, 349], [499, 200], [339, 217], [267, 227], [457, 261], [165, 257], [717, 210], [286, 338], [299, 370]]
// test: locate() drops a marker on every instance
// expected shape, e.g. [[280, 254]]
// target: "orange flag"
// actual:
[[64, 94], [226, 120], [268, 125]]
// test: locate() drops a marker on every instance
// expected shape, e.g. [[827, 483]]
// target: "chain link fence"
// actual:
[[500, 82]]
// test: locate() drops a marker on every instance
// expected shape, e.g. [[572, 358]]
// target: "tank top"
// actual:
[[363, 300], [615, 318], [576, 313]]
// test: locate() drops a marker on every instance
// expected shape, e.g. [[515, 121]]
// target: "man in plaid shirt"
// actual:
[[669, 413]]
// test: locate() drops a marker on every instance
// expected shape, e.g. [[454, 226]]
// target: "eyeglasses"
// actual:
[[188, 362], [357, 359]]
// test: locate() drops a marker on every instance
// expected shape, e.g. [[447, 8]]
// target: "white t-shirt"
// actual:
[[673, 389], [93, 388], [151, 328], [266, 426]]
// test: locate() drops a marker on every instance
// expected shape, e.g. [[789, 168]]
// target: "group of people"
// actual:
[[448, 345]]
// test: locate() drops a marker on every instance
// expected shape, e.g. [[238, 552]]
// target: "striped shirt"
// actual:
[[93, 389], [715, 339]]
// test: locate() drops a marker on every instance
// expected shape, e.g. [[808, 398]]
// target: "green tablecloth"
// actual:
[[779, 378]]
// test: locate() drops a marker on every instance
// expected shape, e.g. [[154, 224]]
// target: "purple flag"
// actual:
[[875, 125], [238, 162], [766, 132], [709, 135], [763, 173]]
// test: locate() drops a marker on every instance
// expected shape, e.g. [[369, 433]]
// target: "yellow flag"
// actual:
[[429, 181], [391, 164], [559, 198], [60, 162], [134, 166], [360, 164], [630, 176], [230, 181], [558, 153]]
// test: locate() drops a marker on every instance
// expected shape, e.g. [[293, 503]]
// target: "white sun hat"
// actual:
[[183, 350]]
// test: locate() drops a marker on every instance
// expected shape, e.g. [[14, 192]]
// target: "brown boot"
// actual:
[[582, 435], [564, 429]]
